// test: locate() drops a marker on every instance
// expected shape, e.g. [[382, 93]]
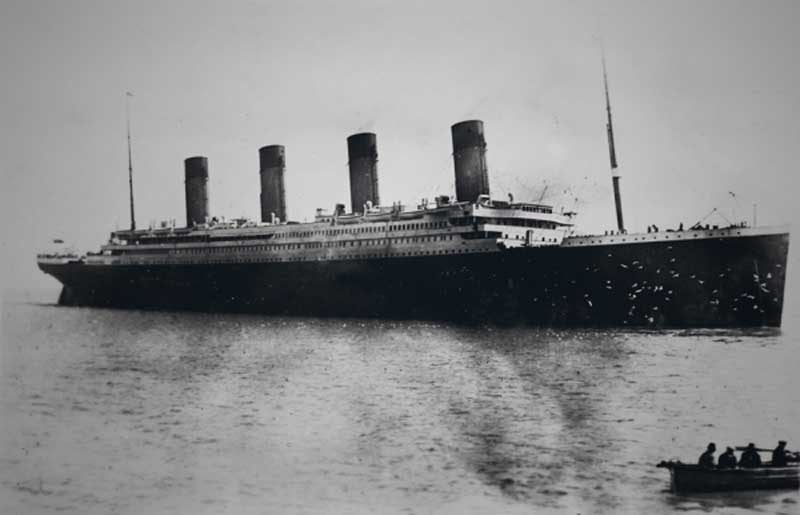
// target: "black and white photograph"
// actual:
[[379, 257]]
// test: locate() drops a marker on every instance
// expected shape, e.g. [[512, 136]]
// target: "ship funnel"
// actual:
[[273, 193], [362, 153], [196, 190], [469, 157]]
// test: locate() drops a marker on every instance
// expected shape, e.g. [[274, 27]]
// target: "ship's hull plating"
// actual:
[[733, 282]]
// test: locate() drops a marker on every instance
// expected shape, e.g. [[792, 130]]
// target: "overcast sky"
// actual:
[[706, 100]]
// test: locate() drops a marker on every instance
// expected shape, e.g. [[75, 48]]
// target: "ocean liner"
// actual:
[[469, 258]]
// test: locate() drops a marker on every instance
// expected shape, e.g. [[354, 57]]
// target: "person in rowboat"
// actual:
[[779, 455], [707, 458], [750, 457], [727, 460]]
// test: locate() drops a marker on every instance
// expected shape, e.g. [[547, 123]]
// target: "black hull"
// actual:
[[724, 282], [691, 478]]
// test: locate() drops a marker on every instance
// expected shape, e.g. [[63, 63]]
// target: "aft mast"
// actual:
[[613, 154], [128, 95]]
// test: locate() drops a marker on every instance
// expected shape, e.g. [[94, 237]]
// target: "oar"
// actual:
[[790, 455], [738, 448]]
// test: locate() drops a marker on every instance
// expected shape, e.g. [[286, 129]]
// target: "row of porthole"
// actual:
[[355, 229], [309, 245], [270, 260], [711, 234]]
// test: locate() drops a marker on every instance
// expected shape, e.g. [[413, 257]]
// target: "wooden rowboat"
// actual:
[[693, 478]]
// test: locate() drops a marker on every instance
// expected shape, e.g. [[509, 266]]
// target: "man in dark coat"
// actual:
[[707, 458], [750, 457], [779, 455], [727, 460]]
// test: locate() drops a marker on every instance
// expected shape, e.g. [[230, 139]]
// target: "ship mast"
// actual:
[[613, 154], [128, 95]]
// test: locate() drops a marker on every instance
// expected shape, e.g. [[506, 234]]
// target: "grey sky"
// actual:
[[706, 100]]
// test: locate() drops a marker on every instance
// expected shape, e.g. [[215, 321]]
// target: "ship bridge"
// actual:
[[517, 224]]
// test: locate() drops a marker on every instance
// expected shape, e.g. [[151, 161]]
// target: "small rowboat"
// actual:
[[693, 478]]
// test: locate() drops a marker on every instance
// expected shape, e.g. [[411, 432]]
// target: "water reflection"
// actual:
[[777, 502], [536, 424], [286, 415]]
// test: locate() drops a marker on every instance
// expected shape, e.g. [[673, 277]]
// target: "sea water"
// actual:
[[115, 411]]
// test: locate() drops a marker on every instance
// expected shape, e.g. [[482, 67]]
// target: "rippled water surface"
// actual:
[[109, 411]]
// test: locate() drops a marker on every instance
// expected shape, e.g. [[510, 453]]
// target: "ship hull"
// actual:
[[722, 282]]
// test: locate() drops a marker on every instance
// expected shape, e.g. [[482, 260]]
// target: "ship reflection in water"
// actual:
[[139, 412]]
